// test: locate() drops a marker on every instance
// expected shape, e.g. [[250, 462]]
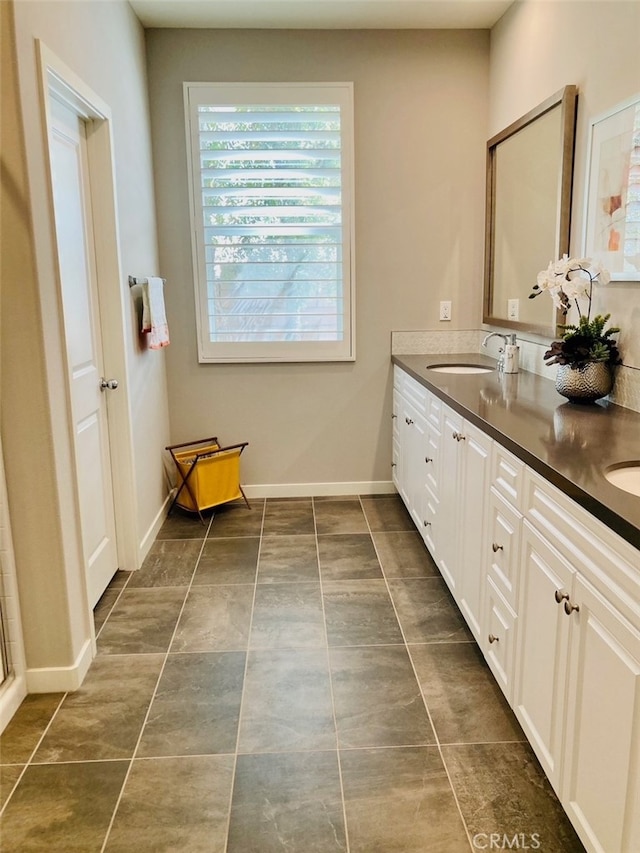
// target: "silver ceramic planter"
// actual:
[[584, 384]]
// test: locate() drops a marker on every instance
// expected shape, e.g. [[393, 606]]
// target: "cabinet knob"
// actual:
[[569, 607], [459, 436], [408, 421], [427, 523], [493, 638], [394, 464], [428, 459], [393, 416], [495, 547], [561, 596]]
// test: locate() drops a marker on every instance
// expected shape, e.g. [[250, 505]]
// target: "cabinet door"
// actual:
[[432, 455], [475, 457], [502, 546], [406, 417], [450, 515], [395, 446], [414, 466], [430, 521], [541, 651], [498, 641], [601, 778]]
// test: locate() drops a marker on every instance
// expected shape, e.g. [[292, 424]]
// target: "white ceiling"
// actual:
[[321, 14]]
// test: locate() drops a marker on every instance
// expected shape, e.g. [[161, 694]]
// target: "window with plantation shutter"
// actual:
[[271, 169]]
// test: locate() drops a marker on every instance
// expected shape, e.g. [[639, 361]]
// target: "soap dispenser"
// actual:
[[511, 356]]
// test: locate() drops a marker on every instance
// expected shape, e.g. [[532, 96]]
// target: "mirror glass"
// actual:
[[529, 173]]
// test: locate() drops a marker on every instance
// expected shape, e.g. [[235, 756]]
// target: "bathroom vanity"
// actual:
[[507, 485]]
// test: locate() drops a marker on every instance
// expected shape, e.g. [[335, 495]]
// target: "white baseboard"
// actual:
[[306, 490], [11, 695], [61, 679], [150, 536]]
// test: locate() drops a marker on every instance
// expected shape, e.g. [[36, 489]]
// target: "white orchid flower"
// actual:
[[561, 267], [575, 287], [599, 272], [583, 263], [555, 296], [545, 277]]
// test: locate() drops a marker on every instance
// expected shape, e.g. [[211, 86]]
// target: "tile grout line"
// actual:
[[29, 762], [153, 695], [244, 681], [330, 674], [117, 599], [424, 701]]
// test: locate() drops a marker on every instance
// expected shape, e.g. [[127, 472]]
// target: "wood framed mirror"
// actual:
[[528, 211]]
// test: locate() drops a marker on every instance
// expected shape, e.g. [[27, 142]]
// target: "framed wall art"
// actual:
[[612, 217]]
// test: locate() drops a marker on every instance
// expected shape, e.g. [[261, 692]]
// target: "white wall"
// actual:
[[103, 44], [420, 128], [538, 47]]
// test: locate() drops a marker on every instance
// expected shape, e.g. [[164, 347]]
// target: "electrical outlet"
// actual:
[[445, 310], [513, 309]]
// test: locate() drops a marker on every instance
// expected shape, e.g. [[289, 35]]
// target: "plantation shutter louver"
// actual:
[[271, 173]]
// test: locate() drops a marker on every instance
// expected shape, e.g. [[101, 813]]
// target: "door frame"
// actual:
[[60, 81]]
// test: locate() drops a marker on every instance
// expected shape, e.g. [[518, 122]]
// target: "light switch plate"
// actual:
[[445, 310]]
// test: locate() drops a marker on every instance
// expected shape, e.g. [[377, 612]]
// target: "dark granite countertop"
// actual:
[[569, 444]]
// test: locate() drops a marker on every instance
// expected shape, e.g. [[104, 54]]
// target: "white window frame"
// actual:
[[196, 94]]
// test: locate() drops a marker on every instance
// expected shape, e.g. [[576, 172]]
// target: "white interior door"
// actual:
[[89, 400]]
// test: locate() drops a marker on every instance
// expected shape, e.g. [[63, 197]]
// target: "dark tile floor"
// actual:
[[294, 677]]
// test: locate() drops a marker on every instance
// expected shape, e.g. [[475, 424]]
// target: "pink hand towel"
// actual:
[[154, 318]]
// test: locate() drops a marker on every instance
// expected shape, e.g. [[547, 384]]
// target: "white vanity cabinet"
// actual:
[[416, 437], [451, 515], [601, 774], [461, 523], [413, 430], [441, 470], [553, 598], [501, 565], [466, 454], [546, 581], [577, 692]]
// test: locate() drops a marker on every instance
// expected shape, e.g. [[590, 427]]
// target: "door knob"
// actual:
[[111, 384]]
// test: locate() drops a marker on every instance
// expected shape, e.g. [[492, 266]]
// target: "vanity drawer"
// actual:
[[610, 564], [416, 394], [434, 411], [503, 546], [395, 414], [507, 476], [430, 522], [498, 642]]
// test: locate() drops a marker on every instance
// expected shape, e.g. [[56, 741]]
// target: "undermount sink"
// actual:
[[625, 477], [459, 368]]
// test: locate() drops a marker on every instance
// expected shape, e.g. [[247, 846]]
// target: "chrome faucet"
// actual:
[[508, 340]]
